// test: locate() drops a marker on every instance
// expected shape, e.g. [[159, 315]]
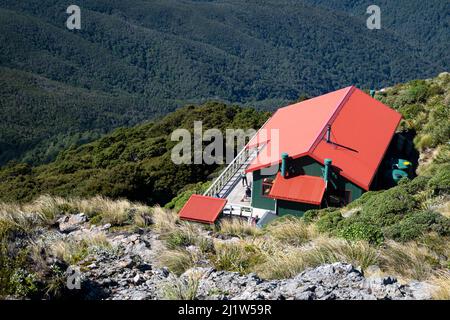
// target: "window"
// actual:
[[266, 186], [348, 196]]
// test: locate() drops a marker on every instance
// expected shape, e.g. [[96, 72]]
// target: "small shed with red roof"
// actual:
[[202, 209]]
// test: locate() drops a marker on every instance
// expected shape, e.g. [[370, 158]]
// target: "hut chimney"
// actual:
[[328, 133], [284, 157], [326, 171]]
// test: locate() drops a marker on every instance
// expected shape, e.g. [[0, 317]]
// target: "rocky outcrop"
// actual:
[[127, 271], [330, 281], [132, 276]]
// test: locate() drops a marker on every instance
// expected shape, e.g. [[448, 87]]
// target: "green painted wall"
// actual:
[[301, 166], [293, 208], [258, 200], [305, 166], [354, 189]]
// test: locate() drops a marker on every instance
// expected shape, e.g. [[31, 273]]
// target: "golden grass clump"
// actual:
[[441, 283], [14, 219], [164, 220], [330, 250], [411, 261], [237, 256], [182, 288], [289, 260], [179, 260], [284, 263], [237, 227], [73, 251], [115, 212], [292, 231], [101, 209]]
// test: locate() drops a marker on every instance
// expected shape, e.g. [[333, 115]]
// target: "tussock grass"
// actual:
[[164, 221], [237, 227], [115, 212], [182, 288], [239, 256], [330, 250], [99, 209], [178, 261], [14, 219], [73, 251], [444, 209], [50, 207], [183, 235], [441, 281], [284, 263], [290, 260], [292, 231], [411, 261]]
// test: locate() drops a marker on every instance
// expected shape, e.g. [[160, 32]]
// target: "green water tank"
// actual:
[[397, 174], [403, 164]]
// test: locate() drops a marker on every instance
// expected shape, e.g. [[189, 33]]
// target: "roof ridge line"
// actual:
[[333, 117]]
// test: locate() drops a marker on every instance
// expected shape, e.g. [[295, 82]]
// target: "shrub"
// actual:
[[361, 230], [416, 185], [388, 207], [440, 181], [329, 221], [314, 214], [416, 224]]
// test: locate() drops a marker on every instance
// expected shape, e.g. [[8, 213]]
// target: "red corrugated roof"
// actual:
[[361, 130], [202, 209], [361, 133], [306, 189], [298, 125]]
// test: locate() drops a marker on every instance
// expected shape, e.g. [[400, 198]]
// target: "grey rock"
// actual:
[[70, 223]]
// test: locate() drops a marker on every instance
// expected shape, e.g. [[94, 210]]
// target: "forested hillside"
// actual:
[[425, 24], [40, 117], [134, 60], [135, 163]]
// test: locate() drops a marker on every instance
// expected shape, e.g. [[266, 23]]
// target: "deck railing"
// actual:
[[232, 169], [228, 173]]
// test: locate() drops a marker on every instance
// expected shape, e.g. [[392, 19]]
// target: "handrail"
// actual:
[[241, 208], [235, 165]]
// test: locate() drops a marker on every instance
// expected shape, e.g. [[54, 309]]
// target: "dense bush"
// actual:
[[130, 163], [135, 62], [361, 230], [390, 214], [417, 224]]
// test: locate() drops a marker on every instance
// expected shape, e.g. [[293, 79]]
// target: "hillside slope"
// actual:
[[130, 162], [135, 162], [40, 117], [148, 57]]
